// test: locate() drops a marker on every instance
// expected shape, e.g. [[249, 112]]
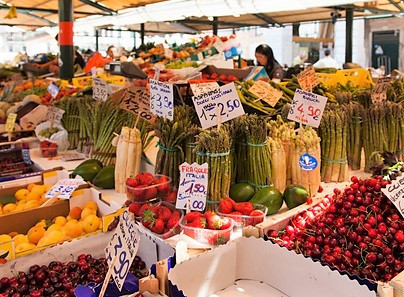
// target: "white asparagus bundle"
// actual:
[[134, 153], [278, 160]]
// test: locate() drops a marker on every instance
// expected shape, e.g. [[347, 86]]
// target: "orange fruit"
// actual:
[[91, 223], [87, 211], [92, 205], [30, 186], [75, 213], [35, 234], [32, 196], [74, 230]]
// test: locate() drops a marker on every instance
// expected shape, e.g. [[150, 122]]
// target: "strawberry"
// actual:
[[150, 193], [143, 208], [190, 217], [226, 223], [138, 192], [146, 179], [214, 76], [135, 208], [164, 213], [158, 226], [237, 213], [257, 213], [173, 220], [163, 184], [244, 207], [223, 77], [148, 218], [171, 197], [198, 223], [214, 221], [225, 205], [232, 78], [215, 239], [131, 182]]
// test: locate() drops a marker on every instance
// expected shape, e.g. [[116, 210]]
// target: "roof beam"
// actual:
[[398, 6], [223, 23], [98, 6], [368, 8], [39, 18], [46, 10], [267, 19], [20, 25]]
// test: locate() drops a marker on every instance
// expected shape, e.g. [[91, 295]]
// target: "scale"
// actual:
[[126, 69]]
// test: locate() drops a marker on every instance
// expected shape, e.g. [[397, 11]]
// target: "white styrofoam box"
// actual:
[[214, 273]]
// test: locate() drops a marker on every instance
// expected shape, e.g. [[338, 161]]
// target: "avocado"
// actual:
[[270, 197], [105, 178], [87, 171], [241, 192], [295, 195], [90, 161]]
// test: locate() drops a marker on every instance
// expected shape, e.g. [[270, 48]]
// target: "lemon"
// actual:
[[60, 220], [20, 207], [22, 247], [41, 223], [20, 238], [32, 196], [5, 238], [9, 208], [39, 189], [31, 204], [20, 194]]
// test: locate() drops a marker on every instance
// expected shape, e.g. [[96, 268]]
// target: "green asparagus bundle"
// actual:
[[241, 151], [259, 155], [213, 147], [333, 132], [355, 136], [172, 136], [278, 161], [395, 91], [190, 144], [400, 150], [306, 141]]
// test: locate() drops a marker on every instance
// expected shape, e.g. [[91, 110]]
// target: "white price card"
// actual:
[[223, 101], [137, 100], [53, 89], [395, 192], [54, 115], [219, 45], [162, 99], [123, 245], [308, 79], [379, 93], [307, 108], [193, 186], [266, 92], [198, 89], [9, 127], [100, 89], [65, 188]]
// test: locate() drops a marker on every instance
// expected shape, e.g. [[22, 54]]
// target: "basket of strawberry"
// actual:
[[146, 186], [208, 228], [162, 219], [243, 213]]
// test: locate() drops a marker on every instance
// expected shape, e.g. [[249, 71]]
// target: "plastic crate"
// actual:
[[331, 79], [357, 77]]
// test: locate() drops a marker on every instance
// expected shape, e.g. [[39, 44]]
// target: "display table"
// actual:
[[49, 163]]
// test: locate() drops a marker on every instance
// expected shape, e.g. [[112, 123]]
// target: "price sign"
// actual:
[[395, 192], [223, 100], [379, 93], [266, 92], [307, 79], [168, 53], [219, 45], [193, 186], [54, 114], [136, 100], [162, 99], [53, 89], [198, 89], [100, 89], [307, 108], [65, 188], [10, 122], [123, 245]]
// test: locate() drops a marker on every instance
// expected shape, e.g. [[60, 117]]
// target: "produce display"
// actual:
[[144, 187], [93, 171], [357, 230], [48, 149], [243, 213]]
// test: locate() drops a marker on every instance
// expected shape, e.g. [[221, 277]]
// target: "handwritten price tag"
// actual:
[[123, 245], [193, 186], [307, 79], [395, 192], [266, 92], [136, 100], [53, 89], [54, 115], [100, 89], [379, 93], [10, 122], [198, 89], [223, 100], [65, 188], [307, 108], [162, 99]]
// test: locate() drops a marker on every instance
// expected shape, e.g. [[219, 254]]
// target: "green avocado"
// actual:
[[90, 161], [241, 192], [87, 171], [6, 199], [105, 178], [295, 195], [270, 197]]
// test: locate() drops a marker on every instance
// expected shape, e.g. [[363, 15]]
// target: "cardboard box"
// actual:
[[21, 222], [253, 267]]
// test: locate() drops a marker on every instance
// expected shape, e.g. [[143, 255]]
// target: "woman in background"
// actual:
[[265, 57]]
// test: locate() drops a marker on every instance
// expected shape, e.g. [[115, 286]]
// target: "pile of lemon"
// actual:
[[80, 221], [31, 197]]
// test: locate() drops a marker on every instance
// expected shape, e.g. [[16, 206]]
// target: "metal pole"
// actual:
[[348, 35], [66, 57], [142, 33], [134, 40], [96, 40], [215, 25]]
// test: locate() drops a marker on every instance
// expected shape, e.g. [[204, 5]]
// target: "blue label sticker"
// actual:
[[308, 162]]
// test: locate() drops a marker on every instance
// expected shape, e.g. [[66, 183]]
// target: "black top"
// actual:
[[275, 72], [78, 59]]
